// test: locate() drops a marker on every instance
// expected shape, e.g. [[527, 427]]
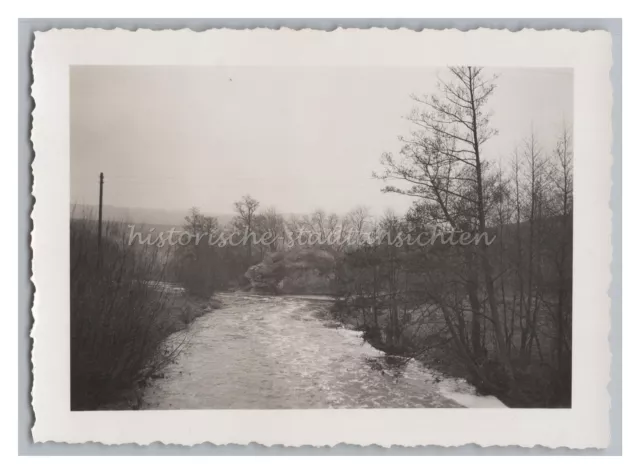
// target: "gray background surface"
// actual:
[[26, 30]]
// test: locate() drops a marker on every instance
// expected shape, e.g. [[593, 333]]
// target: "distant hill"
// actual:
[[136, 215], [160, 218]]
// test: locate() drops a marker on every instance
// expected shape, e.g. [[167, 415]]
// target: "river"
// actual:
[[272, 352]]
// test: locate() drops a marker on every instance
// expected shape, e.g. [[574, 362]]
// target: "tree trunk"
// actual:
[[486, 263]]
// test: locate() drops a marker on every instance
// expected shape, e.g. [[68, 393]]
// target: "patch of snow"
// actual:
[[461, 392]]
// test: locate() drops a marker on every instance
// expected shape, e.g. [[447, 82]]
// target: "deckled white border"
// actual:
[[586, 424]]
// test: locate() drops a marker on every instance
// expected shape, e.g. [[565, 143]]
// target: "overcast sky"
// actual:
[[294, 138]]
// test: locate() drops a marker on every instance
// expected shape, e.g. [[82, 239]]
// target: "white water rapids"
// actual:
[[272, 352]]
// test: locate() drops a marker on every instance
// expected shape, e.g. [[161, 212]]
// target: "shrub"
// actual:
[[119, 321]]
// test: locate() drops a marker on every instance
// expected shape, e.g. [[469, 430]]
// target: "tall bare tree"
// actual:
[[246, 209], [272, 224], [563, 155], [443, 162]]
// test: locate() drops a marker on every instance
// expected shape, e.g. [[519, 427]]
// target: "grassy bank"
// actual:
[[125, 323]]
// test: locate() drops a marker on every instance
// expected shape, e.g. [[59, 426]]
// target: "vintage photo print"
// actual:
[[312, 238]]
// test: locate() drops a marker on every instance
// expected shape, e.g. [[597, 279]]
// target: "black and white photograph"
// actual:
[[320, 237], [308, 238]]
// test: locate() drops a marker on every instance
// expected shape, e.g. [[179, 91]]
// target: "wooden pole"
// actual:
[[100, 213]]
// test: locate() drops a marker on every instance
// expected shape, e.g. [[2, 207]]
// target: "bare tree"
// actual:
[[563, 155], [246, 209], [316, 223], [442, 161], [294, 227], [194, 220], [272, 224], [358, 221]]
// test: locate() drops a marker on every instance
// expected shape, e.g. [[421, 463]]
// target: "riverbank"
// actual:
[[178, 312], [277, 352], [184, 308], [449, 374]]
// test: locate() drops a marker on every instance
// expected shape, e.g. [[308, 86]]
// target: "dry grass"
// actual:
[[123, 323]]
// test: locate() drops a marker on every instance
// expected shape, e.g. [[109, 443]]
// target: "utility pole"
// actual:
[[100, 213]]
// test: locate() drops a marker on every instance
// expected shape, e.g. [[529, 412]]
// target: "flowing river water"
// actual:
[[274, 352]]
